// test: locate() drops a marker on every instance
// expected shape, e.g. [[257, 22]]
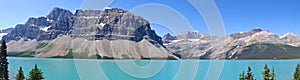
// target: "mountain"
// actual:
[[254, 44], [189, 44], [118, 34], [111, 33], [168, 38], [37, 28], [5, 31], [58, 14]]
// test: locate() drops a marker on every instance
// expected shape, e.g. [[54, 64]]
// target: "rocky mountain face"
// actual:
[[112, 33], [113, 24], [58, 14], [37, 28], [254, 44], [168, 38]]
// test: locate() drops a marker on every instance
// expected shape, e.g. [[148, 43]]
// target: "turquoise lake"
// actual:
[[92, 69]]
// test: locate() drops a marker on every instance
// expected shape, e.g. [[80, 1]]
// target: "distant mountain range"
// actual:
[[118, 34], [254, 44]]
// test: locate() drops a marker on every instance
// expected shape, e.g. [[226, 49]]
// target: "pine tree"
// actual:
[[266, 73], [3, 62], [35, 74], [272, 75], [249, 75], [297, 73], [20, 74], [242, 76]]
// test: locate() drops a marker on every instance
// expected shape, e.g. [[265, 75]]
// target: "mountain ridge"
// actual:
[[120, 34], [85, 29], [235, 46]]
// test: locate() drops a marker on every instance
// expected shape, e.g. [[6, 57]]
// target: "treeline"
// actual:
[[34, 74], [267, 74]]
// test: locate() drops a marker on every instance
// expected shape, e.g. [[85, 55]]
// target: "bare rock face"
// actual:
[[112, 24], [60, 27], [38, 22], [23, 31], [59, 13]]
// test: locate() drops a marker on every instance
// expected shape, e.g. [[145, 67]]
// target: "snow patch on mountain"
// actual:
[[106, 8], [102, 24], [45, 28]]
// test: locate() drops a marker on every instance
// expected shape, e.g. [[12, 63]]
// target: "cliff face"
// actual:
[[112, 24], [23, 31], [54, 35]]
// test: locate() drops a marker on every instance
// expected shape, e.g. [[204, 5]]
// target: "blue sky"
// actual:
[[278, 16]]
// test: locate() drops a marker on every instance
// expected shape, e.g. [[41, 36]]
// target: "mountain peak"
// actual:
[[249, 33], [168, 34], [57, 8], [59, 13], [168, 38], [256, 30], [288, 34]]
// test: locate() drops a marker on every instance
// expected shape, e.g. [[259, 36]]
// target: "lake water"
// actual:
[[91, 69]]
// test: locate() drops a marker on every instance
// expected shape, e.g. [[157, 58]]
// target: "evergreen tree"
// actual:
[[3, 62], [272, 75], [35, 74], [266, 73], [242, 76], [249, 75], [20, 74], [297, 73]]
